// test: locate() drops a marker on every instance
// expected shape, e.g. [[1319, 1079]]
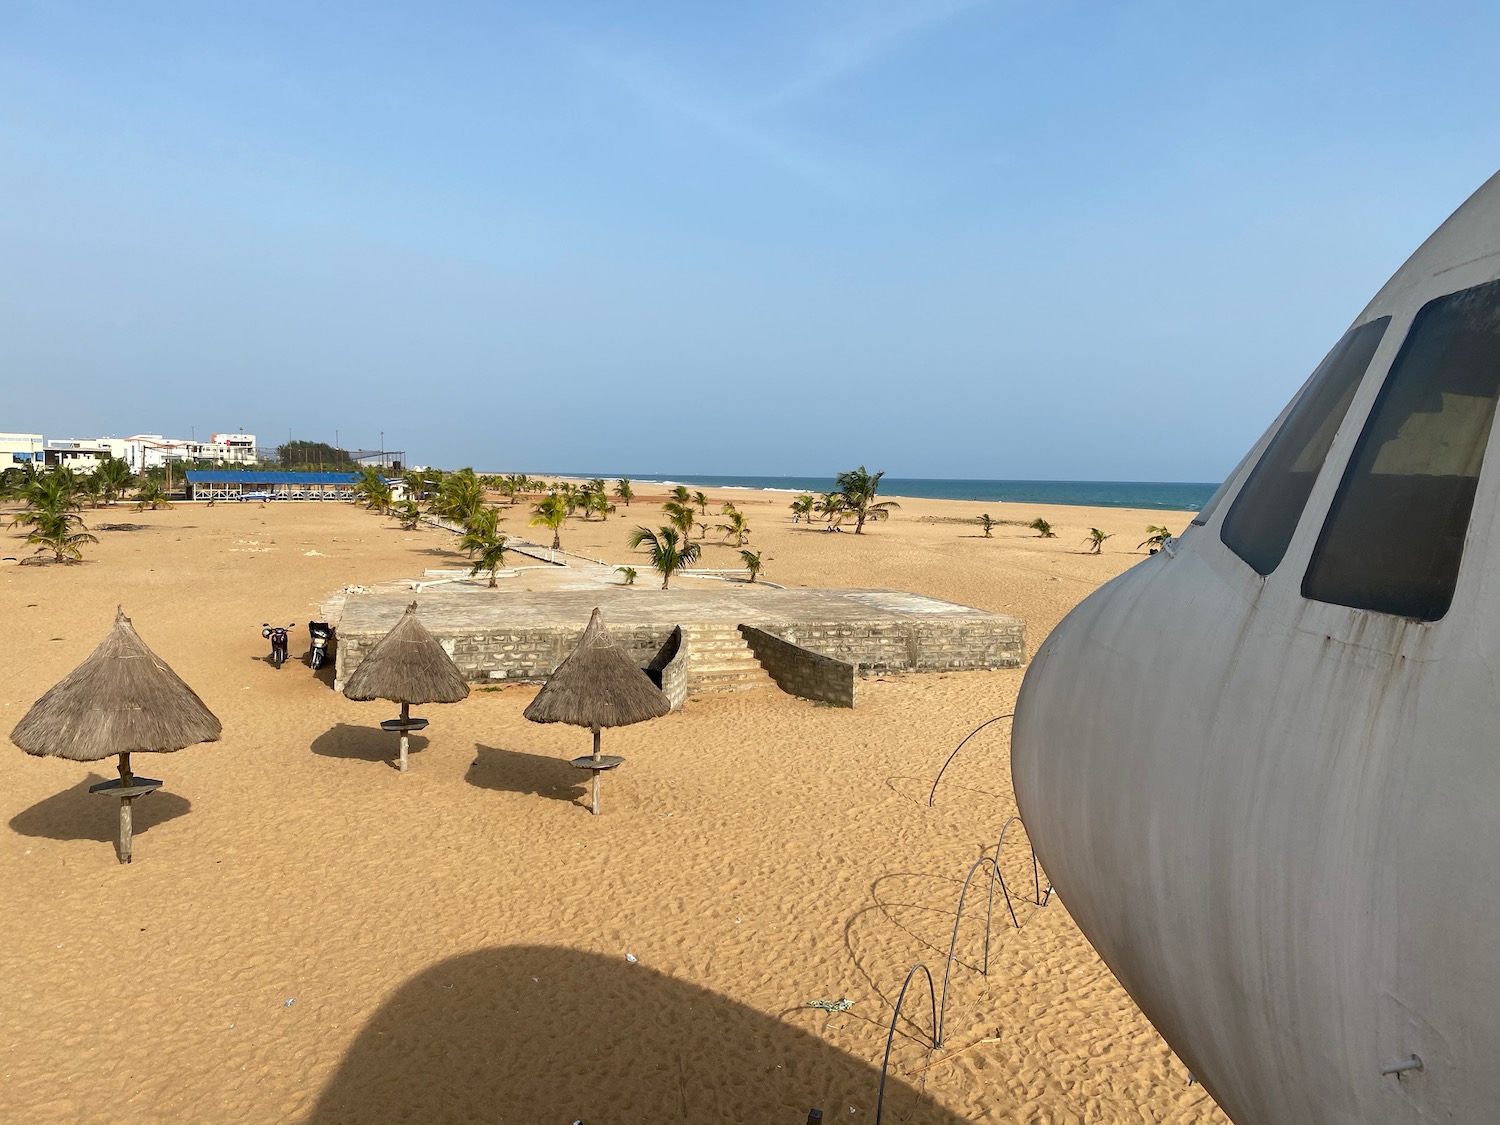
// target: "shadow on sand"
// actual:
[[515, 771], [533, 1033], [364, 744], [77, 814]]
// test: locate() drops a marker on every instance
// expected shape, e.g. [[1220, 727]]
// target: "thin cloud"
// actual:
[[652, 86], [883, 33]]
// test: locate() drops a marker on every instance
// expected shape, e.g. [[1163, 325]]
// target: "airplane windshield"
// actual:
[[1394, 537], [1264, 515]]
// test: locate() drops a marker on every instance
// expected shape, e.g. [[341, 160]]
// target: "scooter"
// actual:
[[321, 633], [278, 641]]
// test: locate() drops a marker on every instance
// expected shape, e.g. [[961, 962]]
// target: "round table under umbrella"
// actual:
[[597, 686], [122, 700], [407, 666]]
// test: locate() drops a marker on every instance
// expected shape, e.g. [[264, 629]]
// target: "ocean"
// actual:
[[1176, 496]]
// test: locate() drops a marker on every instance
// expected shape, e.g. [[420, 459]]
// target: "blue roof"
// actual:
[[215, 476]]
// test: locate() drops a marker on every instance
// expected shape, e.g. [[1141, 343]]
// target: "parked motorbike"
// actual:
[[322, 633], [278, 641]]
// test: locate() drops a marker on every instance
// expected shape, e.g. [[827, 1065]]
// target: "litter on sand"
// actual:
[[842, 1004]]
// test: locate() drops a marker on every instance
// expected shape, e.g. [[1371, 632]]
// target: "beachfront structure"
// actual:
[[20, 449], [1260, 767], [693, 641], [264, 484], [407, 666], [598, 685], [122, 700]]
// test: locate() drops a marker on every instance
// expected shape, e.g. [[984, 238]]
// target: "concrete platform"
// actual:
[[522, 635]]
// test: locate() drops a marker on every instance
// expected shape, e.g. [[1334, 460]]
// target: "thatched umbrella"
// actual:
[[597, 686], [122, 700], [407, 666]]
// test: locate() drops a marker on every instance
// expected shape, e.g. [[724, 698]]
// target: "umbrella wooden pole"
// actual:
[[126, 778], [405, 718], [596, 772]]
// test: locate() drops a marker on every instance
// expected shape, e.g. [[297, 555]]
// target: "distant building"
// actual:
[[239, 447], [139, 451], [18, 449], [151, 451], [82, 454], [258, 484]]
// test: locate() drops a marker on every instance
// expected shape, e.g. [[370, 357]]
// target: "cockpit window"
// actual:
[[1264, 515], [1206, 513], [1394, 536]]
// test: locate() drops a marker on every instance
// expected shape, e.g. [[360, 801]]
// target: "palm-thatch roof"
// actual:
[[408, 665], [122, 699], [598, 685]]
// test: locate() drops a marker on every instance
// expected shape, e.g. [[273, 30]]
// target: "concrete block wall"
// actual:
[[515, 656], [917, 646], [531, 654], [669, 668], [802, 672]]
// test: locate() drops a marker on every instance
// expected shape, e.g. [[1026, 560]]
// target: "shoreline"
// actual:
[[770, 494]]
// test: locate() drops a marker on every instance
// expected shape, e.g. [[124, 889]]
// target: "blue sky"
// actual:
[[963, 239]]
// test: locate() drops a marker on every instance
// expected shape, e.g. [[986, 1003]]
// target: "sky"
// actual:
[[941, 238]]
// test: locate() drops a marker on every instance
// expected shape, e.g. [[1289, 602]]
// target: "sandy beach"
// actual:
[[307, 935]]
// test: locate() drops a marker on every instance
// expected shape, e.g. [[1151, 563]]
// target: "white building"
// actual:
[[83, 454], [150, 451], [238, 447], [17, 449]]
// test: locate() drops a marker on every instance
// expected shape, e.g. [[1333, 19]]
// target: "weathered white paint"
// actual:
[[1279, 820]]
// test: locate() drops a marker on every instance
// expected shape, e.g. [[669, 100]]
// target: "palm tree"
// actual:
[[735, 524], [514, 485], [550, 511], [114, 476], [1042, 528], [702, 530], [627, 574], [61, 532], [701, 499], [482, 527], [858, 488], [832, 506], [491, 557], [751, 559], [682, 495], [408, 514], [373, 490], [624, 491], [802, 507], [414, 485], [682, 515], [1156, 537], [601, 504], [92, 488], [54, 491], [151, 495], [1095, 539], [669, 551], [460, 497], [986, 522]]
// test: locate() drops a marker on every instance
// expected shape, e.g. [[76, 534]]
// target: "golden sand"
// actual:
[[308, 935]]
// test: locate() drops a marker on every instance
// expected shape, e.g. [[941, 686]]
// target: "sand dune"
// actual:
[[308, 935]]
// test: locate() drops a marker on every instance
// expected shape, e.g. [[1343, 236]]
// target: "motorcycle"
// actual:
[[321, 633], [278, 641]]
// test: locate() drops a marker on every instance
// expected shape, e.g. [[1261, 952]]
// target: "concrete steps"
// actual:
[[719, 660]]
